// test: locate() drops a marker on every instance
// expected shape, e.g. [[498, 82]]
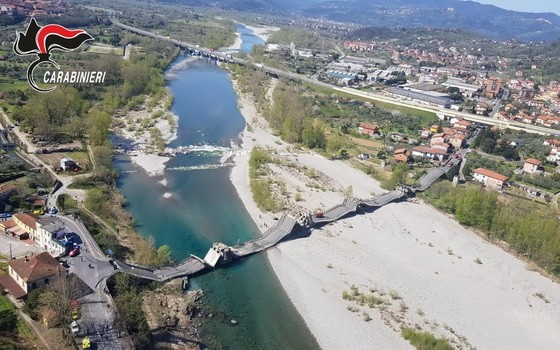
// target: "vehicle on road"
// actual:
[[75, 314], [74, 252], [64, 264]]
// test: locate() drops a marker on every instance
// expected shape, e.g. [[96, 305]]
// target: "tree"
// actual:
[[8, 316], [164, 254], [46, 114], [313, 135], [335, 143], [99, 122], [58, 297], [398, 176], [290, 131]]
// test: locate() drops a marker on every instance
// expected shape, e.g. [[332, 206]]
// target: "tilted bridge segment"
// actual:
[[222, 254]]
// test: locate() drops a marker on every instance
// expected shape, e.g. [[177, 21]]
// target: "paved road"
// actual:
[[97, 319]]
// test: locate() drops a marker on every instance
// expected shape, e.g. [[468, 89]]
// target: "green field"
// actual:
[[383, 105], [16, 85]]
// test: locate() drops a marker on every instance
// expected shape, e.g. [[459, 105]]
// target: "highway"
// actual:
[[366, 95]]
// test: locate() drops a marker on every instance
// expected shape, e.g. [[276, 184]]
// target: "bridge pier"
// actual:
[[304, 219], [219, 253]]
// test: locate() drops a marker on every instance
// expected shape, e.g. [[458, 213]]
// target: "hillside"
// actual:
[[487, 20], [279, 7]]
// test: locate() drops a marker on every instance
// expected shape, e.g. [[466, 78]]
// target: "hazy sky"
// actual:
[[526, 5]]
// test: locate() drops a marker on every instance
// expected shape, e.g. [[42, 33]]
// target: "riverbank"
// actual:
[[149, 127], [263, 32], [436, 275]]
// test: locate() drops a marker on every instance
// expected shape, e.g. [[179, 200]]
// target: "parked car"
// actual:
[[75, 314], [74, 327], [53, 210], [74, 252]]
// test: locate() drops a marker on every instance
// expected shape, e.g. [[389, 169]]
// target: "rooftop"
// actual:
[[533, 161], [28, 220], [7, 188], [11, 285], [368, 126], [35, 267], [490, 173]]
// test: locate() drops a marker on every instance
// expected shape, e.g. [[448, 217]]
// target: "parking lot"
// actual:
[[19, 248]]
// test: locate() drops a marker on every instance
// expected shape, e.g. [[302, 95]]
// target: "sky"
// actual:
[[526, 5]]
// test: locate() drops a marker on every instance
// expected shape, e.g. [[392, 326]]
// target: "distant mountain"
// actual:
[[487, 20], [279, 7]]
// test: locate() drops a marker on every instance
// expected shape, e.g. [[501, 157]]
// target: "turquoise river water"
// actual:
[[205, 208]]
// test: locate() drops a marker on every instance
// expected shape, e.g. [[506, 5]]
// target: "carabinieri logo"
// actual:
[[41, 41]]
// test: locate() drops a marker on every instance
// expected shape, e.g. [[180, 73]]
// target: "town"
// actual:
[[439, 121]]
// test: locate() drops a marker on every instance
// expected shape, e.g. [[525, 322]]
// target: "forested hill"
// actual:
[[279, 7], [487, 20]]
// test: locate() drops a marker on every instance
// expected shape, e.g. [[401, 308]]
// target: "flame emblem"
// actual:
[[41, 41]]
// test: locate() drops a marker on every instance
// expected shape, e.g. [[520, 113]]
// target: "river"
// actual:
[[205, 208]]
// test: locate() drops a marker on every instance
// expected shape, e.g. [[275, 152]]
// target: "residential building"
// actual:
[[439, 138], [532, 166], [482, 108], [67, 164], [554, 155], [462, 124], [368, 129], [402, 155], [31, 272], [49, 233], [552, 142], [457, 140], [10, 227], [426, 133], [528, 119], [429, 153], [493, 86], [490, 178], [6, 192], [27, 222], [52, 235]]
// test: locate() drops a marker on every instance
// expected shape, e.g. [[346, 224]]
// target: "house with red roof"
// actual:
[[30, 272], [532, 166], [429, 153], [402, 155], [489, 178], [457, 141], [368, 129]]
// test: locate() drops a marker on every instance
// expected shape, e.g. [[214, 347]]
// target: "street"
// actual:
[[97, 320]]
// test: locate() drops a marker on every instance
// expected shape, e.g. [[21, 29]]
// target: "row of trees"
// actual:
[[292, 115], [527, 227]]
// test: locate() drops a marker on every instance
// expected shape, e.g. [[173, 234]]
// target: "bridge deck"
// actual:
[[284, 227], [269, 238]]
